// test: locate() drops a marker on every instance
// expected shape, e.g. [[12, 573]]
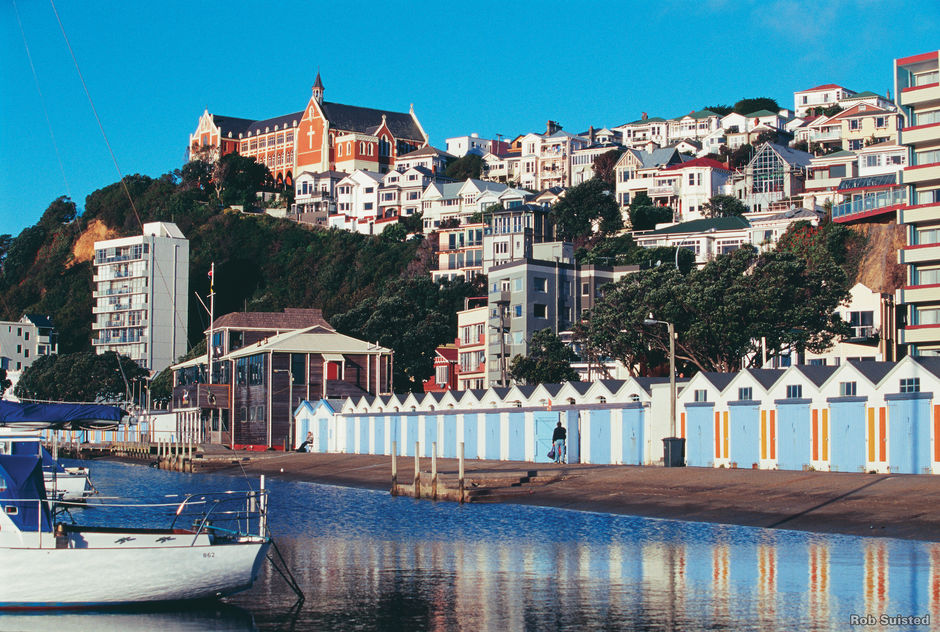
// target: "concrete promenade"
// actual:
[[884, 505]]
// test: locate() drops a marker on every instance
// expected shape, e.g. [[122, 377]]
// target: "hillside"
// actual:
[[262, 263], [878, 266]]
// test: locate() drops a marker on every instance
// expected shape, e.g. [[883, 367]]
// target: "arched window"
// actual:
[[384, 146]]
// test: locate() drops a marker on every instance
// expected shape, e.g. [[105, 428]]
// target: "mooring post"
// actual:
[[417, 470], [394, 468], [434, 470], [460, 473]]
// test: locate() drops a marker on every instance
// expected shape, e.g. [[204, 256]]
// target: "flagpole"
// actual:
[[211, 315]]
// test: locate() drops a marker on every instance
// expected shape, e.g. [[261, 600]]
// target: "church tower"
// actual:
[[318, 89]]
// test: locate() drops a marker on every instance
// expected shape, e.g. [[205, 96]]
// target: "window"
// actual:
[[881, 121], [855, 124], [847, 389], [701, 395], [539, 310], [540, 283], [856, 144], [585, 289], [441, 373], [910, 385], [794, 391], [745, 393], [862, 323], [517, 311]]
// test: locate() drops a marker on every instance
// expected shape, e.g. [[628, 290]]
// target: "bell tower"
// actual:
[[318, 89]]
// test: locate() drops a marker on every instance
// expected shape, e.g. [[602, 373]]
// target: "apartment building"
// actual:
[[24, 340], [142, 296], [917, 91]]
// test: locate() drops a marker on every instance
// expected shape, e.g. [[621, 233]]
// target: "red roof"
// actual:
[[700, 162], [447, 352], [826, 86], [862, 109]]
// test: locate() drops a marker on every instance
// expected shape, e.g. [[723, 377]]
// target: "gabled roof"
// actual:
[[761, 113], [448, 352], [647, 382], [314, 339], [860, 110], [766, 377], [732, 222], [816, 374], [40, 320], [791, 156], [825, 86], [874, 371], [932, 364], [718, 379], [580, 387], [290, 318], [427, 150], [352, 118], [699, 162]]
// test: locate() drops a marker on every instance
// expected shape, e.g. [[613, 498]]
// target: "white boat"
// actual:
[[214, 545], [62, 482]]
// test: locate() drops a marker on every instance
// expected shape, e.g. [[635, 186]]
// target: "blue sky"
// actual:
[[487, 67]]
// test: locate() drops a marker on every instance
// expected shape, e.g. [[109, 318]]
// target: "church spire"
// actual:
[[318, 89]]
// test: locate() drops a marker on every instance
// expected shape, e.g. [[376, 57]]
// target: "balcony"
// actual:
[[663, 190], [920, 214], [825, 136], [215, 396], [869, 204], [921, 96], [919, 254], [919, 294], [919, 134], [921, 174], [919, 334]]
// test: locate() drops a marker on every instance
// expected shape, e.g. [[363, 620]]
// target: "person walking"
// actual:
[[558, 440]]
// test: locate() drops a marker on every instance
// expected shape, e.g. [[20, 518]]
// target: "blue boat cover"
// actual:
[[64, 416], [23, 493]]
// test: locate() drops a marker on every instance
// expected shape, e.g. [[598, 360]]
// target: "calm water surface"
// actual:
[[367, 561]]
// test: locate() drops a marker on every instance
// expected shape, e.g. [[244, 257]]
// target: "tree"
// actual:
[[61, 211], [644, 215], [79, 377], [395, 232], [237, 178], [468, 166], [604, 165], [723, 310], [737, 158], [549, 361], [723, 206], [755, 104], [584, 206], [4, 381], [720, 110], [412, 317]]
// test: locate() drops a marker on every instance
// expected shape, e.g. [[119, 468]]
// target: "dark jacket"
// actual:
[[560, 433]]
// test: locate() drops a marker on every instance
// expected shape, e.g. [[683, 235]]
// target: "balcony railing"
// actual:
[[870, 202]]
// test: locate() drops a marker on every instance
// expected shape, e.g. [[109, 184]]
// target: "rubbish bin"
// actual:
[[673, 452]]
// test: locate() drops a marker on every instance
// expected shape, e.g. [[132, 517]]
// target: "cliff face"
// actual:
[[84, 248], [878, 266]]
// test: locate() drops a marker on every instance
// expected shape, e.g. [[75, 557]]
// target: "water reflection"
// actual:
[[372, 562], [200, 617]]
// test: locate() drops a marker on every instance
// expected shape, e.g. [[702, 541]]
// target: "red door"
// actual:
[[332, 370]]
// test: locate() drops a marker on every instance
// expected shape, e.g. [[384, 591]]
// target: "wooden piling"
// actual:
[[417, 484], [394, 468], [460, 497], [434, 470]]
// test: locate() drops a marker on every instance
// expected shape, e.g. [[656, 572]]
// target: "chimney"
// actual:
[[645, 116], [591, 134]]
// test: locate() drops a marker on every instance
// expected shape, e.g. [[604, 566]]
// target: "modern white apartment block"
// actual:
[[917, 90], [22, 341], [142, 296]]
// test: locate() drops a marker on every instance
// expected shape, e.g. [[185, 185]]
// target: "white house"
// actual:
[[823, 96]]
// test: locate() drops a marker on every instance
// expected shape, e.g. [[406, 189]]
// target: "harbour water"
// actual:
[[368, 561]]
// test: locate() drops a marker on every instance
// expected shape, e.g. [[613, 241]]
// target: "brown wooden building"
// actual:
[[264, 365]]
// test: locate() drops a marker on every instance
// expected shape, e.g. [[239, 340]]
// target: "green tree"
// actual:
[[79, 377], [468, 166], [604, 165], [395, 232], [720, 110], [722, 310], [237, 178], [644, 215], [548, 362], [4, 381], [412, 317], [584, 206], [723, 206], [755, 104], [61, 211]]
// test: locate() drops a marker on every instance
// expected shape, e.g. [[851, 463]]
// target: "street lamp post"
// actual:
[[674, 447]]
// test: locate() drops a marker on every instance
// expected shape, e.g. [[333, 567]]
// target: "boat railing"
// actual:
[[223, 514]]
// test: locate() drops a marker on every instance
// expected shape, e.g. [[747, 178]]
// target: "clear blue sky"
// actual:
[[486, 67]]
